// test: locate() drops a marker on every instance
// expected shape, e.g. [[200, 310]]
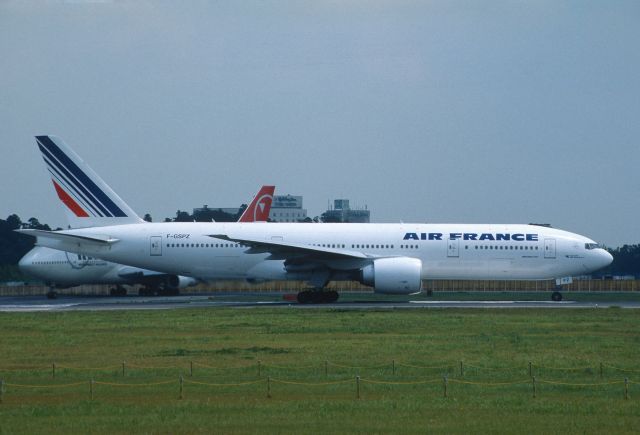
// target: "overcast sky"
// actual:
[[433, 111]]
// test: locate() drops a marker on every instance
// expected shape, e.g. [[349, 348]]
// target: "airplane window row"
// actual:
[[362, 246], [373, 246], [329, 245], [507, 248], [203, 245], [49, 262]]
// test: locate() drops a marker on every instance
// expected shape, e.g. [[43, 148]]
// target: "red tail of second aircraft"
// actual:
[[258, 210]]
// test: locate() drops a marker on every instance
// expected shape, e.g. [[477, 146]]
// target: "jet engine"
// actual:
[[396, 275], [179, 281]]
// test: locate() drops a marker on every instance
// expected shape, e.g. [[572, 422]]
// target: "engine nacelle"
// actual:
[[397, 275], [179, 281]]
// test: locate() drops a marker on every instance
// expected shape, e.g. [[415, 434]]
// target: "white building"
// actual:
[[287, 208]]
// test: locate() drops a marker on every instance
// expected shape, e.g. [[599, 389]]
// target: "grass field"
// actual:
[[312, 358]]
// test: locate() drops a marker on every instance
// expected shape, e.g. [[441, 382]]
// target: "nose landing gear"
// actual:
[[556, 296]]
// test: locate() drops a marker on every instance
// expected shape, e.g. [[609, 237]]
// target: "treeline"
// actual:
[[13, 246], [626, 261], [204, 215]]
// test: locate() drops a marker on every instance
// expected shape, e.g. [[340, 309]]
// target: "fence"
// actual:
[[581, 285], [531, 375]]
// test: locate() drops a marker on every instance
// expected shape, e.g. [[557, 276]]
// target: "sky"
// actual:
[[426, 111]]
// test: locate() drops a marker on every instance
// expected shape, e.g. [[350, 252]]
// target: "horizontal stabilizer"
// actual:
[[65, 241]]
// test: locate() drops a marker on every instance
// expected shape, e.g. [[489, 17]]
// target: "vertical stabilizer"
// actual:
[[258, 210], [87, 200]]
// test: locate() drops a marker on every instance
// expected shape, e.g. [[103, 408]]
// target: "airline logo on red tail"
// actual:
[[74, 188], [258, 210]]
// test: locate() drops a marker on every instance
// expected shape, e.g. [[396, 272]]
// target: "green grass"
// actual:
[[293, 345]]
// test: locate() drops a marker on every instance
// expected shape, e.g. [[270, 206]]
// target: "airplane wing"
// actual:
[[284, 250]]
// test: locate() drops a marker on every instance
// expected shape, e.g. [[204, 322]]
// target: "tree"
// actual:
[[14, 222], [183, 216], [243, 207], [13, 245], [626, 261], [147, 217], [36, 225]]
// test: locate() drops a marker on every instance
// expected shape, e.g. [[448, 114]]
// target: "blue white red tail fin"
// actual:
[[258, 210], [87, 200]]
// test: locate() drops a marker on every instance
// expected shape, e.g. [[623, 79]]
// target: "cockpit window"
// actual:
[[591, 246]]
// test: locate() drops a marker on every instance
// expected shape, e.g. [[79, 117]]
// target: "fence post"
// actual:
[[123, 363], [1, 389], [268, 387], [259, 368], [461, 370], [393, 365], [53, 370], [626, 388], [326, 368], [357, 387], [181, 387], [601, 370], [91, 388], [530, 371], [444, 384], [191, 369], [533, 383]]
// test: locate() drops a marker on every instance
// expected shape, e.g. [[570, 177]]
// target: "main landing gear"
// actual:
[[118, 291], [556, 296], [317, 297]]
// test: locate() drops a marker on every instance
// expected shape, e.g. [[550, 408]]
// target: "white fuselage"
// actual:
[[69, 269], [447, 251]]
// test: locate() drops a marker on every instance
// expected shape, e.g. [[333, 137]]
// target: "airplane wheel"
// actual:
[[318, 297], [118, 291], [304, 297], [556, 296], [146, 291], [331, 297]]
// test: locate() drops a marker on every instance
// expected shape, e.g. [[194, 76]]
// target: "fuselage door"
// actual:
[[549, 248], [452, 248], [156, 245]]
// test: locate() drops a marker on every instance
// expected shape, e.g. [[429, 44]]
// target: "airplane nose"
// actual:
[[25, 264], [607, 258]]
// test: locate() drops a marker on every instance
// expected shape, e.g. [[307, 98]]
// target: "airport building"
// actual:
[[287, 208], [342, 212]]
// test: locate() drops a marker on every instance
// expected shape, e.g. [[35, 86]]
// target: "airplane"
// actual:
[[390, 258], [62, 269]]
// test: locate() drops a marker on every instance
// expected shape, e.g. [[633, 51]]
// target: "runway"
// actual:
[[92, 303]]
